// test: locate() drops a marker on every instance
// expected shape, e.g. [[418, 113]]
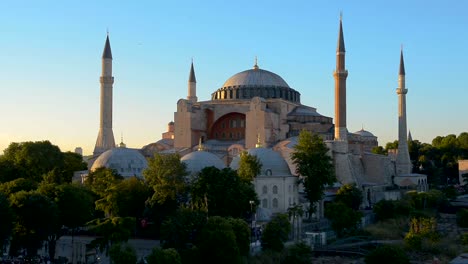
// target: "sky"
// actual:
[[50, 62]]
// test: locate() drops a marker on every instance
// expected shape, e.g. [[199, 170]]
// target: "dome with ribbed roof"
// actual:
[[364, 133], [256, 82], [127, 162], [198, 160], [272, 162]]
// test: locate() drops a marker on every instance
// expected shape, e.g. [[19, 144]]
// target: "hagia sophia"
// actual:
[[256, 111]]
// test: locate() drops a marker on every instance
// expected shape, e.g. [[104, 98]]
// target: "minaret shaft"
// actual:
[[403, 162], [105, 139], [340, 75]]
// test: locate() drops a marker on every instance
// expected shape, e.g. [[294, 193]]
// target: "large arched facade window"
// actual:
[[229, 127]]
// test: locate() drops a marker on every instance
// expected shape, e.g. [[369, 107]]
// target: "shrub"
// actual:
[[164, 256], [462, 218], [387, 254], [276, 233], [299, 253], [122, 254]]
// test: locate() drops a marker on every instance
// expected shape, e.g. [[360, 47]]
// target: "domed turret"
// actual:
[[127, 162], [198, 160], [272, 162]]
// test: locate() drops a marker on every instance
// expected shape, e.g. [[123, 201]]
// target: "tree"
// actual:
[[20, 184], [164, 256], [379, 150], [101, 180], [75, 206], [387, 254], [276, 233], [218, 241], [37, 217], [222, 192], [314, 165], [72, 162], [242, 232], [299, 253], [343, 218], [181, 230], [127, 198], [166, 176], [350, 195], [34, 159], [111, 231], [6, 220], [122, 253], [249, 166]]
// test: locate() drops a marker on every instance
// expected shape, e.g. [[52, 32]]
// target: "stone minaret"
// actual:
[[403, 162], [192, 86], [340, 75], [105, 139]]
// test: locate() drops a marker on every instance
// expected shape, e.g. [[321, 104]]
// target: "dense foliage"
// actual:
[[276, 233], [387, 254], [314, 165]]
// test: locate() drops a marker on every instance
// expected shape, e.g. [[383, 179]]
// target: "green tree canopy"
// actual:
[[166, 176], [222, 192], [34, 159], [249, 166], [164, 256], [350, 195], [276, 233], [122, 253], [20, 184], [314, 165], [343, 218], [102, 180], [37, 217], [6, 220]]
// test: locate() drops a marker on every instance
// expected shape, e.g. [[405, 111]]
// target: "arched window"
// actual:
[[275, 189], [275, 203], [268, 172], [265, 203], [264, 189]]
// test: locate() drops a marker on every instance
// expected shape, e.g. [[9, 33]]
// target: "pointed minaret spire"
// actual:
[[402, 63], [105, 140], [410, 138], [192, 85], [340, 74], [107, 53], [403, 162], [340, 46]]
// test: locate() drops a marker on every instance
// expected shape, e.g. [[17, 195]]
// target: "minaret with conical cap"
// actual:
[[105, 139], [192, 86], [403, 162], [340, 74]]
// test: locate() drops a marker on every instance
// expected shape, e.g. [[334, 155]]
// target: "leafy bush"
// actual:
[[299, 253], [387, 209], [343, 218], [163, 256], [276, 233], [462, 218], [122, 253], [387, 254]]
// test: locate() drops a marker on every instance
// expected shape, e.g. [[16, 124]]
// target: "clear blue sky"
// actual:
[[50, 62]]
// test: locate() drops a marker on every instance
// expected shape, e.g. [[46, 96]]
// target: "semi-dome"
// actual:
[[256, 82], [364, 133], [272, 162], [127, 162], [198, 160]]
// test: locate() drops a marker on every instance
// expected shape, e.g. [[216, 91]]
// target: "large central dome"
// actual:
[[256, 82], [255, 77]]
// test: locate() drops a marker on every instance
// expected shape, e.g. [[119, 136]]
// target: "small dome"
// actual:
[[127, 162], [256, 77], [272, 162], [198, 160], [364, 133]]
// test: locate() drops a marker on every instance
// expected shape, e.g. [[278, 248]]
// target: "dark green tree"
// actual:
[[379, 150], [34, 159], [218, 242], [387, 254], [166, 176], [350, 195], [37, 217], [6, 220], [122, 253], [242, 232], [164, 256], [20, 184], [343, 218], [111, 231], [249, 166], [276, 233], [314, 165], [181, 230], [102, 180], [222, 193], [299, 253]]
